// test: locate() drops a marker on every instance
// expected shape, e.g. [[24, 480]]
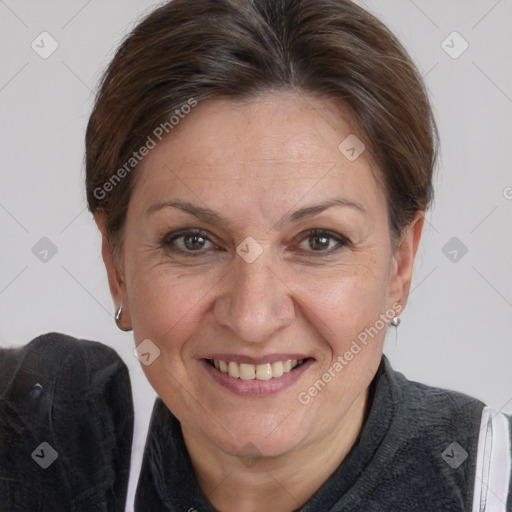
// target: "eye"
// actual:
[[188, 241], [322, 241]]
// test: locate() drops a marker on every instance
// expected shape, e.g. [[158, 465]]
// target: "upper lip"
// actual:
[[243, 359]]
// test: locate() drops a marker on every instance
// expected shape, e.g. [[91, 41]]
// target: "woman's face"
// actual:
[[253, 239]]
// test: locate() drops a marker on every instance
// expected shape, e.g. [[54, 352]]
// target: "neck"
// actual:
[[273, 484]]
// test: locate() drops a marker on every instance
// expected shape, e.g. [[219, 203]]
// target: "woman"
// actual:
[[259, 171]]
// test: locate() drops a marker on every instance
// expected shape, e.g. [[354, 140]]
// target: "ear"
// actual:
[[115, 275], [403, 260]]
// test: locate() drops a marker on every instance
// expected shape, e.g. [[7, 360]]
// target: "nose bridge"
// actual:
[[255, 304]]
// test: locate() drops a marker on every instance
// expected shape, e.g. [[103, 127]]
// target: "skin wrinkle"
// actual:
[[282, 302]]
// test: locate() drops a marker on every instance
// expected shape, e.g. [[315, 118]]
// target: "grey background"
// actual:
[[457, 329]]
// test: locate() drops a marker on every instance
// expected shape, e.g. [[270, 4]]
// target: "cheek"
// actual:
[[345, 301], [346, 310], [165, 306], [167, 310]]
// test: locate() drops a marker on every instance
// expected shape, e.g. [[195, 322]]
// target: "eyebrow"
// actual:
[[207, 214]]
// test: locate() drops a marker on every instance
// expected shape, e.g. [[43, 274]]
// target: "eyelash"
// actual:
[[168, 240]]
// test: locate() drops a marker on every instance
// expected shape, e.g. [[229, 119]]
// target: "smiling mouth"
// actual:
[[264, 371]]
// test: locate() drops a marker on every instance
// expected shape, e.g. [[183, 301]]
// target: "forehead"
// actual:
[[277, 144]]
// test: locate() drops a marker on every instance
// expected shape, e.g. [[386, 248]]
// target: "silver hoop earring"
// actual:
[[119, 313]]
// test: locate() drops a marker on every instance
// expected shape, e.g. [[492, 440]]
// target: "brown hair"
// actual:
[[189, 50]]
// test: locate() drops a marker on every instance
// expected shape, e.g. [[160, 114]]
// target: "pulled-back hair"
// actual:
[[189, 50]]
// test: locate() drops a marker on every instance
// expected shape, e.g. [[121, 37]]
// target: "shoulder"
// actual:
[[442, 434], [431, 408], [51, 350], [60, 362], [66, 416]]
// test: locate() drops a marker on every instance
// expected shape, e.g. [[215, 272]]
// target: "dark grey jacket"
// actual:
[[66, 423]]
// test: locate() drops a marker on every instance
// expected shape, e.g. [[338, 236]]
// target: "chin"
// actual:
[[269, 437]]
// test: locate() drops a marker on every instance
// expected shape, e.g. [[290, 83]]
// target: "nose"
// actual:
[[255, 303]]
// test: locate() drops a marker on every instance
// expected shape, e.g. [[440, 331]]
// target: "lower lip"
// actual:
[[255, 387]]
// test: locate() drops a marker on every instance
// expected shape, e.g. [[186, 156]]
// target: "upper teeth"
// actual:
[[255, 371]]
